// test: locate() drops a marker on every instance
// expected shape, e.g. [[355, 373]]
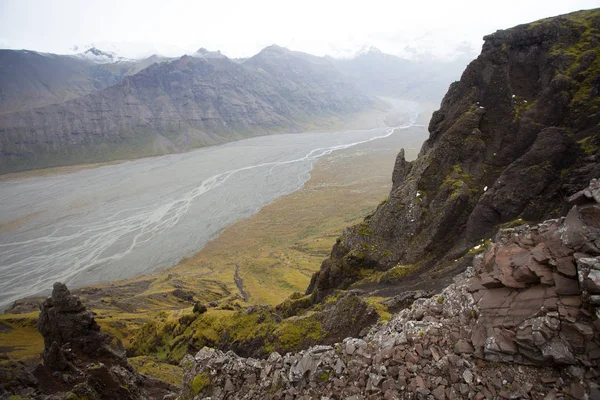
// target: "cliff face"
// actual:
[[512, 139], [179, 105]]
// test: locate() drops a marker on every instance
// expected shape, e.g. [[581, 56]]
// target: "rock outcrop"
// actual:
[[512, 140], [66, 324], [180, 105], [530, 301], [80, 361]]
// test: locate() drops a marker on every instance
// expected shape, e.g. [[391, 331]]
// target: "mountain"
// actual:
[[516, 136], [383, 74], [29, 79], [179, 105]]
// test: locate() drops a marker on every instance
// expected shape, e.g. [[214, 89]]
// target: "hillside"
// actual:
[[179, 105], [30, 79]]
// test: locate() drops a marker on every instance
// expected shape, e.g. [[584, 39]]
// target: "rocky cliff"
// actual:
[[179, 105], [531, 301], [511, 141]]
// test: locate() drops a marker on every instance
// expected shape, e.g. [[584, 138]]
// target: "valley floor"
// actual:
[[259, 260]]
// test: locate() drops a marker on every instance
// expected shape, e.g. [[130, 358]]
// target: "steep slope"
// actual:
[[516, 136], [178, 105], [29, 79], [383, 74], [509, 324]]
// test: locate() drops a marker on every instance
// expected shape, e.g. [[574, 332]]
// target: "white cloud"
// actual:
[[241, 28]]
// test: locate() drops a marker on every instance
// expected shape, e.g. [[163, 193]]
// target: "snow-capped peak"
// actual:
[[368, 50], [203, 53], [100, 56]]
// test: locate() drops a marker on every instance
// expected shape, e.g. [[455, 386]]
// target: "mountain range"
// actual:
[[94, 107]]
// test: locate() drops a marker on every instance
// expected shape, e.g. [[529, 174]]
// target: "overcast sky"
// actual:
[[242, 28]]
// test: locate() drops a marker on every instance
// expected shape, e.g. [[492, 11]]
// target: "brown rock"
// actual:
[[463, 347], [566, 286], [565, 266]]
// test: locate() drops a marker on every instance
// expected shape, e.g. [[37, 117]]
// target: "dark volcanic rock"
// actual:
[[64, 320], [513, 139]]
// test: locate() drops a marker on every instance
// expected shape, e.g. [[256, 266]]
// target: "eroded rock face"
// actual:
[[517, 135], [422, 352], [64, 321], [533, 289]]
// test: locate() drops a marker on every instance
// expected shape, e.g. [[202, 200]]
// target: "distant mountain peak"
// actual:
[[275, 49], [100, 56], [204, 53], [368, 50], [98, 52]]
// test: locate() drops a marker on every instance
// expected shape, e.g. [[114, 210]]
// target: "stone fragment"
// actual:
[[468, 377], [566, 286], [463, 347]]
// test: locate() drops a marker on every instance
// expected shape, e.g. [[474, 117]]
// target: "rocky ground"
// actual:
[[521, 322]]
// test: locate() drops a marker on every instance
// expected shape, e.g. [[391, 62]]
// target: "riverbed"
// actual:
[[119, 221]]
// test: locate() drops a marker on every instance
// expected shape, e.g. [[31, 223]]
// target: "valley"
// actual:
[[275, 251], [123, 220]]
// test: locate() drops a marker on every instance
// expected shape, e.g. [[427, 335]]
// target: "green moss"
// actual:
[[521, 106], [456, 180], [382, 311], [589, 145], [582, 73], [324, 376], [397, 273], [156, 369], [294, 306], [363, 229], [200, 382], [440, 300], [513, 224], [292, 333]]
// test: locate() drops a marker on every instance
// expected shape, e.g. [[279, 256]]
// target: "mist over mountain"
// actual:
[[98, 106], [381, 74]]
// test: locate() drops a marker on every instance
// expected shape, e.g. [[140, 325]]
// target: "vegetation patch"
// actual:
[[589, 145], [154, 368], [200, 382], [382, 311]]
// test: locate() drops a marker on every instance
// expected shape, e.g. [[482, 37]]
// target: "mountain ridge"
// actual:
[[173, 106]]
